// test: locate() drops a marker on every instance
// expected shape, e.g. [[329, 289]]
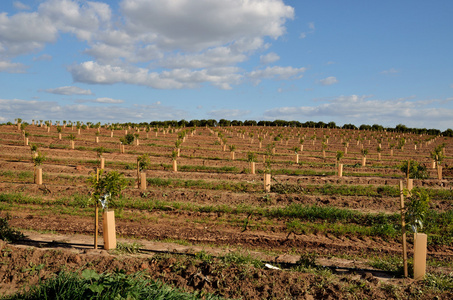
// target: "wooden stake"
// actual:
[[96, 218], [408, 168], [138, 173], [403, 230]]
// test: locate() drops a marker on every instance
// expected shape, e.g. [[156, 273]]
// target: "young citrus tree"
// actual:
[[339, 156], [251, 157], [416, 170], [437, 154], [106, 185], [144, 161], [127, 139], [416, 210]]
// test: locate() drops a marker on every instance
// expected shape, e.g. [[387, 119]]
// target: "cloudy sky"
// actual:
[[362, 62]]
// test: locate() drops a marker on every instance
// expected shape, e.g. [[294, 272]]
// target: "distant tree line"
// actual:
[[309, 124], [280, 123]]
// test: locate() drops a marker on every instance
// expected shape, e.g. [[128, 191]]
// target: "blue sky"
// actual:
[[360, 62]]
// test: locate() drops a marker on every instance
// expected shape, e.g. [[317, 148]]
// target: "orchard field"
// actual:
[[330, 235]]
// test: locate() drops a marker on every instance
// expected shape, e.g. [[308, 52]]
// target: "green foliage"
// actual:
[[105, 286], [127, 139], [364, 152], [204, 257], [144, 161], [440, 282], [437, 154], [416, 210], [33, 148], [232, 148], [269, 148], [71, 137], [295, 149], [307, 260], [100, 151], [178, 143], [285, 188], [39, 159], [7, 233], [181, 134], [416, 170], [339, 155], [110, 183], [238, 258], [174, 154], [251, 156], [131, 248], [389, 264]]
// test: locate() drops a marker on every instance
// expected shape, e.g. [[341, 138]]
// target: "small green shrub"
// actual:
[[39, 159], [91, 285], [417, 210], [307, 260], [127, 139], [251, 156], [144, 161], [131, 248], [109, 184], [7, 233], [416, 170]]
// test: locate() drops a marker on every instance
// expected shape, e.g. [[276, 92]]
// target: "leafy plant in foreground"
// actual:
[[91, 285]]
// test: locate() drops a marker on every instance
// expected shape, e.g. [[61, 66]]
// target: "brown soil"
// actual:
[[65, 175]]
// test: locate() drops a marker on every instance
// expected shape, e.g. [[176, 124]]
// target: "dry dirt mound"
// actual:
[[22, 266]]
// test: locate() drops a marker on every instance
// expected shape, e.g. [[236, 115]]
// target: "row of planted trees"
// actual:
[[437, 154], [413, 209]]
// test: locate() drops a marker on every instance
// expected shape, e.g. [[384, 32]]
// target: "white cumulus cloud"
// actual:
[[329, 80], [161, 44], [277, 73], [69, 90], [10, 67], [101, 100], [50, 110], [363, 110], [269, 58]]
